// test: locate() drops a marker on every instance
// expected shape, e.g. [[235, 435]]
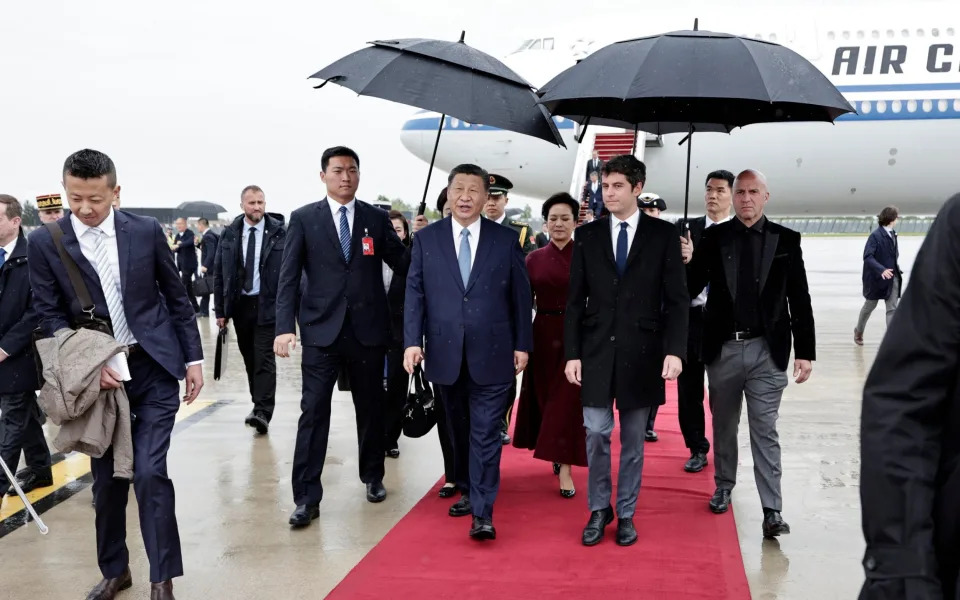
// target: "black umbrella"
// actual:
[[701, 79], [450, 78]]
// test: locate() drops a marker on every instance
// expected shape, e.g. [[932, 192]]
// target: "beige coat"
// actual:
[[90, 419]]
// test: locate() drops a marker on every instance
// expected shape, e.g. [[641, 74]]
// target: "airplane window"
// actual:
[[942, 105], [896, 106], [935, 32], [875, 34], [846, 35], [860, 35], [831, 35], [866, 106], [905, 33], [956, 105], [919, 33], [881, 106], [454, 122], [890, 33], [773, 37], [536, 45], [548, 43], [927, 106], [950, 31], [911, 106]]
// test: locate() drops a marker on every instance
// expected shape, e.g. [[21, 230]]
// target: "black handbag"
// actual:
[[86, 320], [420, 411], [203, 286]]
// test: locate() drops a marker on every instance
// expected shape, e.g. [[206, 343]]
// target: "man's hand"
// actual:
[[3, 356], [412, 357], [419, 222], [283, 343], [573, 371], [686, 248], [802, 370], [109, 379], [887, 274], [194, 383], [222, 322], [520, 360], [203, 270], [672, 366]]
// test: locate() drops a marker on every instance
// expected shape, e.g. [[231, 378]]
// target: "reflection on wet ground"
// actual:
[[234, 497]]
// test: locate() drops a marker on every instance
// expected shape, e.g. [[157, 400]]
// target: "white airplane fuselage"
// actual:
[[900, 72]]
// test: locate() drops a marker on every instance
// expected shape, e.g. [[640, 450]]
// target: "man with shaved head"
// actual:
[[758, 301]]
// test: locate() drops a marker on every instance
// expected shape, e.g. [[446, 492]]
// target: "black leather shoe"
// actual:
[[30, 480], [651, 436], [774, 525], [304, 513], [698, 460], [108, 589], [568, 493], [720, 501], [626, 532], [593, 532], [162, 590], [447, 491], [504, 438], [376, 492], [482, 529], [462, 507], [257, 421], [393, 453]]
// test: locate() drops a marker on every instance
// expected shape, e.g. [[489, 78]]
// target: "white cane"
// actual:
[[16, 486]]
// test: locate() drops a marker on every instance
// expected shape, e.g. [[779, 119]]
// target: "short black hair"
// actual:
[[396, 214], [337, 151], [90, 164], [560, 198], [887, 215], [203, 221], [468, 169], [720, 174], [629, 166], [441, 201]]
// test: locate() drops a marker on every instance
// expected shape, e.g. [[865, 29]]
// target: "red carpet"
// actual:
[[684, 550]]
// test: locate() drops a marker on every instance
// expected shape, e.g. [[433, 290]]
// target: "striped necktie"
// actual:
[[111, 289], [344, 234]]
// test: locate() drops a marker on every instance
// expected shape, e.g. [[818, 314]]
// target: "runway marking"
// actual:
[[71, 473]]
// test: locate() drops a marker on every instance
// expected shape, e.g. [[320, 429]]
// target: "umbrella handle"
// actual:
[[436, 144], [23, 497]]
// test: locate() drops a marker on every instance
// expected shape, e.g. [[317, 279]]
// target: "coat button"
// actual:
[[870, 563], [613, 338], [465, 299]]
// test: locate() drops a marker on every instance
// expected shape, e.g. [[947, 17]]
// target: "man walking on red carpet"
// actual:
[[625, 333]]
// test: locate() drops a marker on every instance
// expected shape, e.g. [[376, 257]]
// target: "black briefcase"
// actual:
[[420, 412], [203, 286], [220, 359]]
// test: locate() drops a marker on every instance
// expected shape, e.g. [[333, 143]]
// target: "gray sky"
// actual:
[[195, 99]]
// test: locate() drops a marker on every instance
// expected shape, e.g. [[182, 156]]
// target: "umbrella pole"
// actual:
[[686, 196], [636, 134], [426, 188]]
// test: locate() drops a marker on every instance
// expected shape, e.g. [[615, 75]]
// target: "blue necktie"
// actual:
[[464, 256], [622, 249], [344, 234], [3, 256]]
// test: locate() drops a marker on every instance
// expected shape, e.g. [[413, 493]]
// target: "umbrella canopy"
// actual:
[[200, 208]]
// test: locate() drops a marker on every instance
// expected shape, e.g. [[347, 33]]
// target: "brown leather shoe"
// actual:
[[108, 589], [858, 337], [162, 590]]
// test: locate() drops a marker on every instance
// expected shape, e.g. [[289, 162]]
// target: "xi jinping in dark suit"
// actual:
[[340, 244]]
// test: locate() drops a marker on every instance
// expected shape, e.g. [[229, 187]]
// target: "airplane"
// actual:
[[899, 68]]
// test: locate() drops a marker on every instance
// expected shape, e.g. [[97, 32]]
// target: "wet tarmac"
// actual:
[[234, 496]]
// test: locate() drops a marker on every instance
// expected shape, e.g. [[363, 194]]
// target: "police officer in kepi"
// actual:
[[495, 210], [49, 208]]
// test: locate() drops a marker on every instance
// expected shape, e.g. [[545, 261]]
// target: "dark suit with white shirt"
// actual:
[[208, 252], [344, 321], [595, 165], [161, 331], [187, 262]]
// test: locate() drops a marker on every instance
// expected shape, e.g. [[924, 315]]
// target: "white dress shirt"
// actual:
[[88, 246], [335, 212], [631, 222], [258, 244], [708, 223], [387, 277], [474, 229], [502, 218], [887, 227], [8, 250]]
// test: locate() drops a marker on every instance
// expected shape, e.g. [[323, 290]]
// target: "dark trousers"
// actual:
[[256, 347], [690, 389], [475, 414], [320, 367], [20, 424], [505, 426], [187, 278], [443, 432], [154, 401], [398, 381], [651, 420]]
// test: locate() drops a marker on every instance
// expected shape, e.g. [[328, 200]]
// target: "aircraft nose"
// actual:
[[419, 134]]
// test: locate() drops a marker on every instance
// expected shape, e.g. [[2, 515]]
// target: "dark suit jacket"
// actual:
[[155, 303], [623, 328], [594, 198], [186, 253], [910, 432], [591, 168], [784, 298], [486, 320], [395, 300], [334, 286], [879, 254], [208, 249], [18, 319], [228, 269]]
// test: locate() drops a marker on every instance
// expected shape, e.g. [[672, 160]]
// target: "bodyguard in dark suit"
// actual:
[[758, 301], [717, 199], [184, 247], [246, 277], [595, 165], [127, 266], [208, 253], [593, 194], [21, 426], [340, 244], [910, 432], [882, 277], [625, 332], [468, 296]]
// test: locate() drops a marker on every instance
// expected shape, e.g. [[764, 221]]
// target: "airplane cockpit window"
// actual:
[[536, 45], [548, 43], [523, 46]]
